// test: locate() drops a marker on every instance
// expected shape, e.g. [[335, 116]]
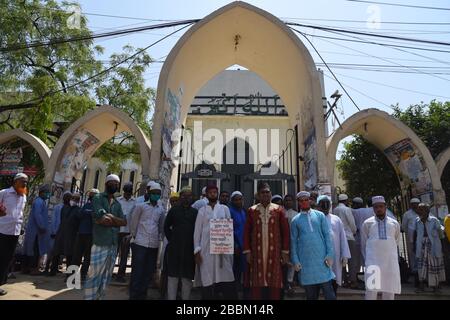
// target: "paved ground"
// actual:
[[26, 287]]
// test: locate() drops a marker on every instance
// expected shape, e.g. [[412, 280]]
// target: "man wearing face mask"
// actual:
[[58, 248], [312, 249], [179, 230], [379, 238], [128, 203], [341, 249], [107, 219], [71, 228], [36, 233], [83, 241], [12, 203], [146, 226]]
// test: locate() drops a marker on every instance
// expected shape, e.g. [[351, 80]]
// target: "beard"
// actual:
[[212, 199]]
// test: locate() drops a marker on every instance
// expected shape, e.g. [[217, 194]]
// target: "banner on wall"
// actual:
[[310, 169], [409, 164]]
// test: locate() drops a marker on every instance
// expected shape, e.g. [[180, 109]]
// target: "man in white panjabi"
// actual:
[[214, 272], [408, 225], [379, 239], [347, 218], [341, 249]]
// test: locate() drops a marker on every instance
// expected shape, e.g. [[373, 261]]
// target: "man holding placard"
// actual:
[[214, 249]]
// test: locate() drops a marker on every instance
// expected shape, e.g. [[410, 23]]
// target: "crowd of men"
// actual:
[[276, 246]]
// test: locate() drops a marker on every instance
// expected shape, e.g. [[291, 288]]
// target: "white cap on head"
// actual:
[[235, 193], [150, 183], [303, 194], [94, 190], [20, 176], [343, 197], [204, 190], [358, 200], [277, 196], [414, 200], [155, 186], [112, 177], [378, 199]]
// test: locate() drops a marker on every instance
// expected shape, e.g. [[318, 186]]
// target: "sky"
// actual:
[[426, 74]]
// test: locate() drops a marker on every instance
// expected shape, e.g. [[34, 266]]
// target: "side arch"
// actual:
[[80, 141], [384, 131], [441, 160], [41, 148]]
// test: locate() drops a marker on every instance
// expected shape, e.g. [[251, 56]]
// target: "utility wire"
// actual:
[[95, 36], [323, 60], [101, 72], [400, 5]]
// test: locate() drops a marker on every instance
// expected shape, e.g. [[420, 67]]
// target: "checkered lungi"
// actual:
[[103, 259], [430, 268]]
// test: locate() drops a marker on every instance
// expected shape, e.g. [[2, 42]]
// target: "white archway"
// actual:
[[241, 34]]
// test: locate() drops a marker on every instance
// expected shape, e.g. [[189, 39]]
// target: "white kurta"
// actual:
[[382, 254], [210, 270], [341, 249]]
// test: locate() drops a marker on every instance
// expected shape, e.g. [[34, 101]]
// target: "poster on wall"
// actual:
[[310, 161], [171, 123], [81, 148], [408, 162]]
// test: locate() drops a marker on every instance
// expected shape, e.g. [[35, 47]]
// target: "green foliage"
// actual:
[[37, 85], [367, 170]]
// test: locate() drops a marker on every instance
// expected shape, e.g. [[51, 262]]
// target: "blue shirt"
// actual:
[[85, 218], [311, 244], [239, 217]]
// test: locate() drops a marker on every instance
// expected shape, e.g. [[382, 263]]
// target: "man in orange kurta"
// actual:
[[266, 246]]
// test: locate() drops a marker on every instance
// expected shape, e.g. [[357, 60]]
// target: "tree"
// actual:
[[43, 89], [367, 171], [35, 82], [124, 88]]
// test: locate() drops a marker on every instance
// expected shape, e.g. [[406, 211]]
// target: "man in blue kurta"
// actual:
[[36, 234], [312, 249], [238, 214]]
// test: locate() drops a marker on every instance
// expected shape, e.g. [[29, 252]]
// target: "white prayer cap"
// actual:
[[303, 194], [93, 190], [155, 186], [236, 193], [112, 177], [277, 196], [150, 183], [204, 190], [20, 176], [343, 197], [378, 199], [358, 200], [415, 200], [68, 193], [323, 197]]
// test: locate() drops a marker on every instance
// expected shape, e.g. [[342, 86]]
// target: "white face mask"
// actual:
[[73, 203]]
